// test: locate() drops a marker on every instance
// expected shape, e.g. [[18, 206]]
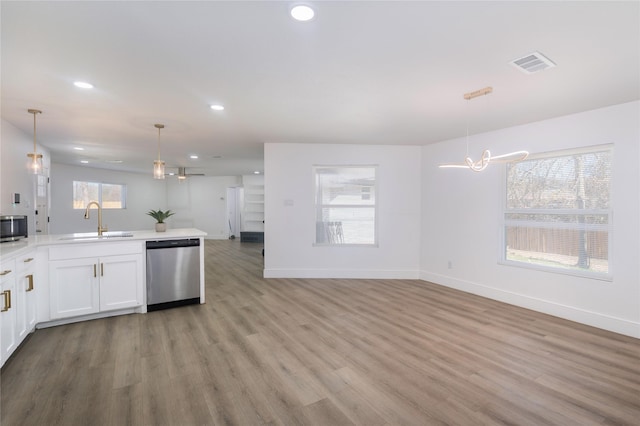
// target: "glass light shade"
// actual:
[[158, 169], [35, 165]]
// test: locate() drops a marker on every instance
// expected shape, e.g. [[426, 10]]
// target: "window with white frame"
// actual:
[[345, 205], [109, 195], [558, 212]]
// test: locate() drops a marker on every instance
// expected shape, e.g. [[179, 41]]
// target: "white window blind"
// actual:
[[345, 205], [558, 212], [109, 195]]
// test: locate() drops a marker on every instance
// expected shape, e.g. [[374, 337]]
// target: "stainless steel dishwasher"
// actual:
[[173, 273]]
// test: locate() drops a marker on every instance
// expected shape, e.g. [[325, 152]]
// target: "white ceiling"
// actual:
[[359, 72]]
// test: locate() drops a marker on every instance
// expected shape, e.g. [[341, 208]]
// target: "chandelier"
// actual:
[[486, 158]]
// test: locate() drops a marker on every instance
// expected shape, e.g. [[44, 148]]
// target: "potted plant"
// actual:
[[160, 216]]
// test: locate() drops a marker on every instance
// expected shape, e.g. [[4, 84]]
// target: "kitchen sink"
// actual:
[[95, 236]]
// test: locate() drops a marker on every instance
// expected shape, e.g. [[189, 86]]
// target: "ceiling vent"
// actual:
[[533, 63]]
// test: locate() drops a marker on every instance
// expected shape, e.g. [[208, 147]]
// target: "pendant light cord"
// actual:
[[159, 127], [34, 132], [34, 112], [467, 138]]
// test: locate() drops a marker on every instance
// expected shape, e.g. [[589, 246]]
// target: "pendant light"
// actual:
[[486, 157], [158, 165], [36, 158]]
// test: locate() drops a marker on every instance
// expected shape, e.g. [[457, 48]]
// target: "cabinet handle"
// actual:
[[28, 260], [102, 269], [5, 272], [30, 278], [7, 300], [95, 274]]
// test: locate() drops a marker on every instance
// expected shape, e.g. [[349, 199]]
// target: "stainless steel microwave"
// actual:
[[13, 228]]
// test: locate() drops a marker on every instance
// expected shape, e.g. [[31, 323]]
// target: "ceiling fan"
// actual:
[[182, 173]]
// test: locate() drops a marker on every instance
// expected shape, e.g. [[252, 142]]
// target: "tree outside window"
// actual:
[[110, 196], [557, 211]]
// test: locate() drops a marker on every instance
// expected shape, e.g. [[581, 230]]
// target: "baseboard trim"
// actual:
[[594, 319], [216, 237], [342, 273]]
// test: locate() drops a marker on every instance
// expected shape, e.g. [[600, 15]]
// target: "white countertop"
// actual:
[[16, 247]]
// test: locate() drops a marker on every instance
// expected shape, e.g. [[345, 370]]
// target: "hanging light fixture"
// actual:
[[36, 158], [486, 157], [158, 165]]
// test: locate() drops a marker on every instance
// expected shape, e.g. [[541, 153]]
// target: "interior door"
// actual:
[[42, 203]]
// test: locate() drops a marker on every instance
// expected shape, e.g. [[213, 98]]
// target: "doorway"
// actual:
[[42, 203], [234, 198]]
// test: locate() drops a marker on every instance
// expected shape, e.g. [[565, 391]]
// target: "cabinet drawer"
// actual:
[[82, 250], [7, 270], [26, 261]]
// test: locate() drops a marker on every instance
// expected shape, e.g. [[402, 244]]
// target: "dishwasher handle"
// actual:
[[161, 244]]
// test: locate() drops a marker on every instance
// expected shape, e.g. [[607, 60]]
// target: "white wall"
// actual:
[[461, 212], [290, 221], [14, 172], [200, 202], [143, 194]]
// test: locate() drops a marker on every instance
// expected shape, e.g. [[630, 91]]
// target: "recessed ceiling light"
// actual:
[[256, 172], [217, 107], [302, 13], [114, 161], [193, 157], [84, 161], [78, 148], [83, 85]]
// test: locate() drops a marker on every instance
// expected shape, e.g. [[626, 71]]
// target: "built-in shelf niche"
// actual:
[[253, 204]]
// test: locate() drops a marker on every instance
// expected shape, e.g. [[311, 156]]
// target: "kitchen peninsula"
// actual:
[[58, 279]]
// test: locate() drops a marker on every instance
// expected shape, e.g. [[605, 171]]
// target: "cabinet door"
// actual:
[[25, 296], [8, 317], [20, 305], [27, 291], [120, 282], [74, 287]]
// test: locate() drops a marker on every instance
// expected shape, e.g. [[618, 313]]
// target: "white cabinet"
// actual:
[[26, 284], [8, 309], [17, 301], [73, 287], [89, 278], [120, 282]]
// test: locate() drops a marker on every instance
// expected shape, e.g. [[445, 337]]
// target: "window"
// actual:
[[558, 212], [109, 195], [345, 205]]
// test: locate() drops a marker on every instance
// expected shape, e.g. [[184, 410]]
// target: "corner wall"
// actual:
[[290, 213], [14, 173], [462, 213]]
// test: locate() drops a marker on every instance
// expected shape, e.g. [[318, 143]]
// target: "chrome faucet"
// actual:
[[86, 216]]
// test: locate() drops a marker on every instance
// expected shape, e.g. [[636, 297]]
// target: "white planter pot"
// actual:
[[161, 227]]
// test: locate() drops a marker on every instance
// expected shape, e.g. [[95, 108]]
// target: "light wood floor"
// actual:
[[323, 352]]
